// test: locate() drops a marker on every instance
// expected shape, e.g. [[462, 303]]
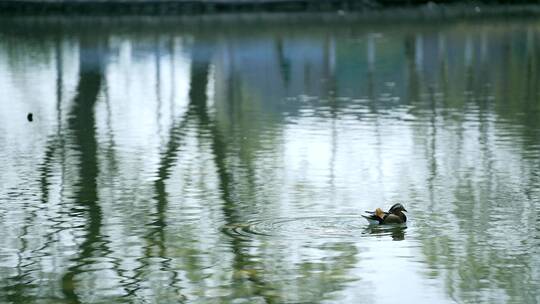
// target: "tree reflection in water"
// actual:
[[262, 124]]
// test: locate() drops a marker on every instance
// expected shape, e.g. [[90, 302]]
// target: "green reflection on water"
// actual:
[[81, 123], [150, 138]]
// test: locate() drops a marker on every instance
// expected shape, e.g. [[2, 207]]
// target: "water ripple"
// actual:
[[342, 227]]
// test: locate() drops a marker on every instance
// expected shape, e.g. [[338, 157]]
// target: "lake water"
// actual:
[[229, 162]]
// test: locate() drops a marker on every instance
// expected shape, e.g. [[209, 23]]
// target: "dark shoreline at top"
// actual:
[[220, 7]]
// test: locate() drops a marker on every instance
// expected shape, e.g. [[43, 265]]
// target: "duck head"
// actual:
[[397, 208]]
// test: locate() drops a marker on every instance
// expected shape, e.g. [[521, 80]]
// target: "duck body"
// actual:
[[394, 215]]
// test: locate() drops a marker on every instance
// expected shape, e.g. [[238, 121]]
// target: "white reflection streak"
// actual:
[[332, 55], [483, 46], [442, 47], [211, 88], [419, 52], [371, 52], [468, 51], [157, 86], [172, 76]]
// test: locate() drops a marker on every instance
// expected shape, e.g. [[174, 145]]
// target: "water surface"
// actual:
[[172, 162]]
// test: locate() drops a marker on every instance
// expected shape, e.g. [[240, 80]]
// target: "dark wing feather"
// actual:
[[373, 217]]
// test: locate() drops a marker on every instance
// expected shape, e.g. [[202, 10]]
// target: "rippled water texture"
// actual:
[[229, 162]]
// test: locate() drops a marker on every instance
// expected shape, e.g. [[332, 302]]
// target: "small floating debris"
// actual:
[[30, 116]]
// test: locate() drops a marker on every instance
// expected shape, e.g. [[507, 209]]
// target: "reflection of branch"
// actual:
[[443, 68], [23, 281], [198, 101], [156, 234], [19, 284], [110, 156], [55, 142], [471, 251], [20, 290], [431, 150], [82, 125], [414, 82], [157, 62], [284, 62], [172, 76]]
